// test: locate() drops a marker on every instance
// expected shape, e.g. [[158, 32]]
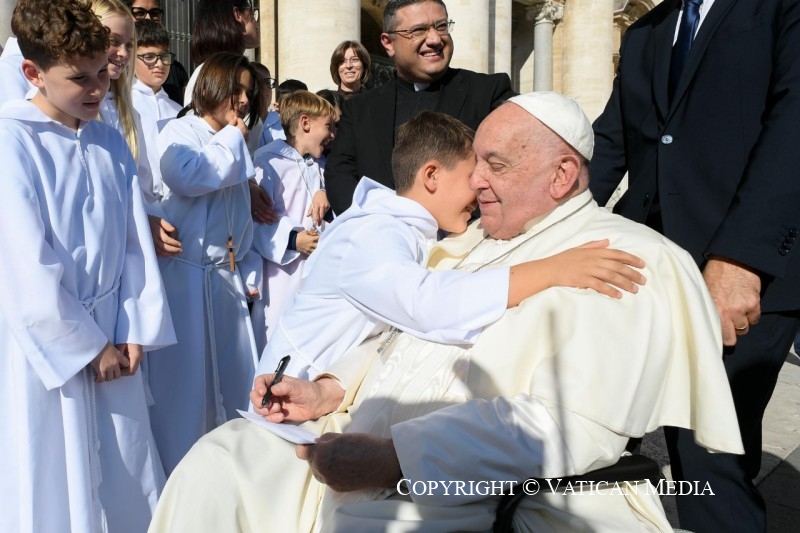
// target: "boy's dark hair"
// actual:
[[261, 69], [428, 137], [218, 83], [151, 33], [287, 87], [49, 32], [332, 97], [216, 29], [390, 11]]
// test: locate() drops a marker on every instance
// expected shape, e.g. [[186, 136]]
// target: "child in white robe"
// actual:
[[117, 111], [205, 166], [291, 173], [152, 67], [80, 296], [368, 272]]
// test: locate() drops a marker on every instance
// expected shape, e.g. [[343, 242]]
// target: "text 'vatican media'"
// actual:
[[560, 486]]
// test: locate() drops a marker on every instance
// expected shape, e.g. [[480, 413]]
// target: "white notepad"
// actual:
[[294, 434]]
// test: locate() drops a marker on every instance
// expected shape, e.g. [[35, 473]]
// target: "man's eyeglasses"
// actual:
[[350, 61], [254, 13], [140, 13], [271, 83], [151, 59], [416, 33]]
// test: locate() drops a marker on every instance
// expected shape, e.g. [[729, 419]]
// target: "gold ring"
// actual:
[[741, 329]]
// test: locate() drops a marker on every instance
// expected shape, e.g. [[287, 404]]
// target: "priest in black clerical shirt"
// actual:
[[417, 35]]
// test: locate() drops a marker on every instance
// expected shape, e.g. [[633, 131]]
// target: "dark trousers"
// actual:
[[752, 366]]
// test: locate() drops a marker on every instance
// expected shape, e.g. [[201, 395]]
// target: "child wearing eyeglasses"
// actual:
[[152, 65]]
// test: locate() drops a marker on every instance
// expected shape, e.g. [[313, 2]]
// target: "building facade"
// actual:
[[570, 46]]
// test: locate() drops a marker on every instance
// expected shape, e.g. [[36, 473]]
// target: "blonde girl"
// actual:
[[117, 110]]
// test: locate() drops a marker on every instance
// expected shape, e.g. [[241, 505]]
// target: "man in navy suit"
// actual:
[[707, 131], [417, 35]]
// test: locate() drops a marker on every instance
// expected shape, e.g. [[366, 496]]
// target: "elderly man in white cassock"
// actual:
[[554, 388]]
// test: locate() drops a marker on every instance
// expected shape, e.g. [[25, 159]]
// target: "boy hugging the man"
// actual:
[[75, 310]]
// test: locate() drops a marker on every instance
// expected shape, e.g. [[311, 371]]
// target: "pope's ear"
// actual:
[[32, 73], [566, 176]]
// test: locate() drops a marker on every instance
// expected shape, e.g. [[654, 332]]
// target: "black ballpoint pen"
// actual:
[[282, 364]]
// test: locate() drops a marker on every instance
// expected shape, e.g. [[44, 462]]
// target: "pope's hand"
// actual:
[[295, 400], [354, 461]]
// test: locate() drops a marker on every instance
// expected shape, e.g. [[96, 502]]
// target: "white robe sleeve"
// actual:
[[191, 171], [271, 241], [144, 316], [389, 283], [40, 305]]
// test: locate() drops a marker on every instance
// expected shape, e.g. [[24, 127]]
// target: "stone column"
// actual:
[[545, 14], [588, 53], [308, 31], [268, 26], [6, 9], [471, 34], [500, 58]]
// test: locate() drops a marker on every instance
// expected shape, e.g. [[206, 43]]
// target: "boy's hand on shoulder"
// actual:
[[307, 241], [108, 364]]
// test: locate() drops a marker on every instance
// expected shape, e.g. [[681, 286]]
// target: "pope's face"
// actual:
[[512, 178], [422, 60]]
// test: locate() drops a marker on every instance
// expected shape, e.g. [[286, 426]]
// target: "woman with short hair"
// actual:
[[350, 66]]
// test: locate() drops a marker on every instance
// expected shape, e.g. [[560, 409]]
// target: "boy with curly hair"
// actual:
[[80, 297]]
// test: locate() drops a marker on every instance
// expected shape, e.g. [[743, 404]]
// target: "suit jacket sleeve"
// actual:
[[503, 90], [341, 170], [763, 220], [608, 165]]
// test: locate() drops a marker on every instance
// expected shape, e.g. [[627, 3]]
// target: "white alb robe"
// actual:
[[155, 110], [595, 370], [291, 181], [367, 274], [272, 130], [200, 383], [15, 85], [109, 115], [80, 271]]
